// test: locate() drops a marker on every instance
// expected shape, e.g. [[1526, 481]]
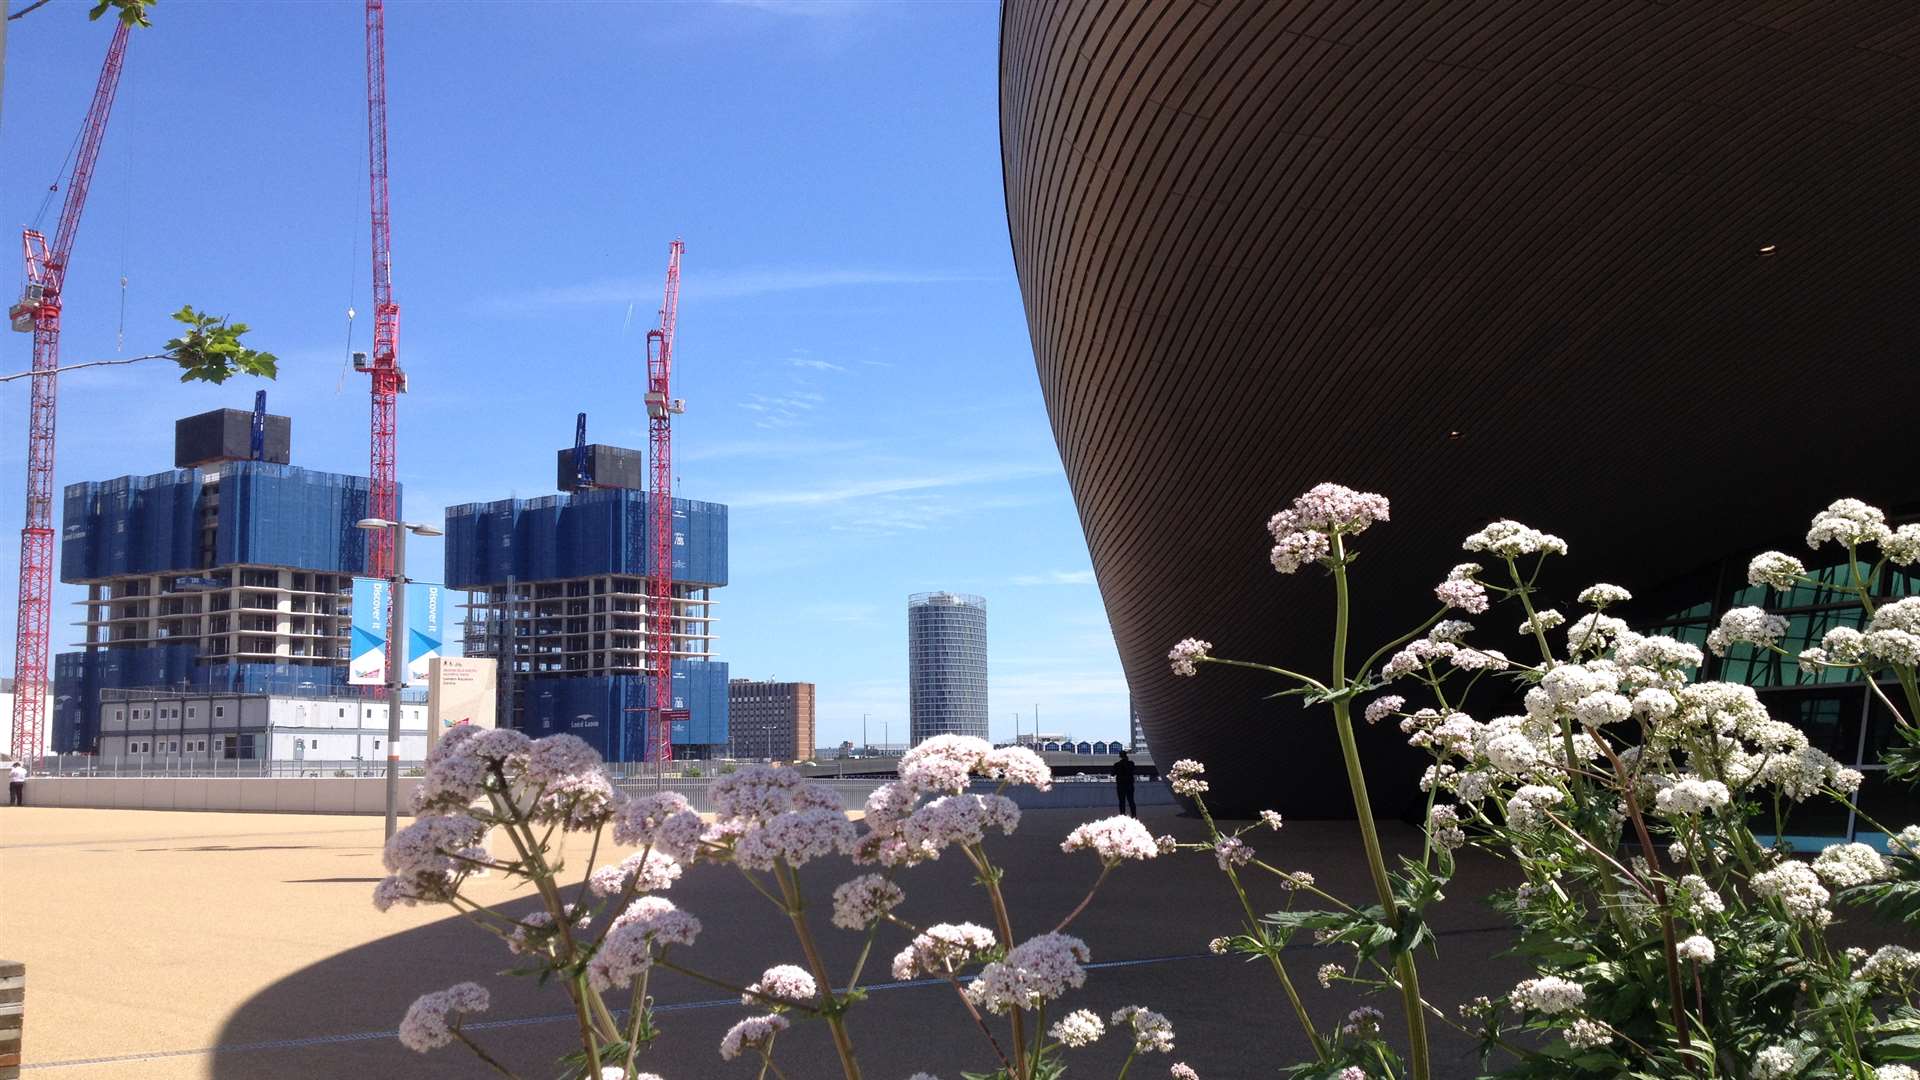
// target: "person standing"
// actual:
[[17, 784], [1123, 784]]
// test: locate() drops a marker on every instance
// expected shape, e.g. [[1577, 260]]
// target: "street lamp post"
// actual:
[[396, 647]]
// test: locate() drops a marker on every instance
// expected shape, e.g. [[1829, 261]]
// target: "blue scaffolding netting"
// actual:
[[585, 534]]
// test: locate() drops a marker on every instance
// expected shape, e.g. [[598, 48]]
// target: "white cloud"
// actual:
[[712, 285], [774, 448], [1056, 577], [816, 365], [863, 489]]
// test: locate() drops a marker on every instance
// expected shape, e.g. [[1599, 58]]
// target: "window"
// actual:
[[376, 744], [173, 746], [219, 711], [343, 710], [119, 714], [192, 711]]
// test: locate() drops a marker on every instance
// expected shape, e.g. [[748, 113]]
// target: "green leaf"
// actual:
[[210, 349]]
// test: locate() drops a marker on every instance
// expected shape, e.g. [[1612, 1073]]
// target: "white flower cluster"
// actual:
[[1604, 595], [1186, 653], [1698, 949], [1902, 546], [1152, 1032], [902, 832], [1896, 1072], [1773, 1063], [1271, 819], [1036, 970], [755, 1032], [1848, 522], [1890, 964], [1114, 839], [1587, 1034], [1527, 809], [649, 923], [1542, 621], [462, 765], [664, 822], [1185, 776], [1797, 888], [1081, 1027], [943, 949], [1691, 795], [1844, 865], [1183, 1071], [1231, 852], [1548, 994], [1775, 569], [782, 983], [1302, 534], [1893, 634], [1462, 591], [1510, 539], [428, 859], [643, 871], [1906, 842], [858, 903], [1382, 707], [427, 1025], [1443, 826], [532, 933], [1746, 626], [1695, 899]]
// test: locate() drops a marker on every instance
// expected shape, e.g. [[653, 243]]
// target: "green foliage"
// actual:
[[132, 12], [210, 349]]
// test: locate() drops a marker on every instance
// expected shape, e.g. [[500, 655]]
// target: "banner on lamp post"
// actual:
[[372, 605], [460, 690]]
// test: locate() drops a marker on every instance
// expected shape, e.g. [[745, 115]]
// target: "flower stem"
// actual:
[[1005, 923], [1409, 976], [836, 1022]]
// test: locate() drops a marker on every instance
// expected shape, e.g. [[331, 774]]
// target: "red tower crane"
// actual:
[[384, 365], [661, 407], [38, 313]]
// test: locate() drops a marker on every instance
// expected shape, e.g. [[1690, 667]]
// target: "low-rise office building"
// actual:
[[163, 727], [772, 721]]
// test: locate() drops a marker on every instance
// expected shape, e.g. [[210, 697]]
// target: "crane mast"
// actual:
[[384, 365], [38, 313], [661, 407]]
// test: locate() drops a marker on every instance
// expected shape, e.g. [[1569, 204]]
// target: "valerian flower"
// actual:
[[1746, 625], [1114, 839], [754, 1032], [1604, 595], [858, 903], [1152, 1032], [1081, 1027], [1188, 652], [1548, 994], [1510, 539], [431, 1019], [1775, 569], [1037, 970]]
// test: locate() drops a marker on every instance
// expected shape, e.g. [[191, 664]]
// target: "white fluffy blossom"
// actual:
[[1443, 826], [1035, 971], [1691, 795], [1698, 948], [645, 871], [1695, 898], [1462, 592], [1774, 569], [1512, 753], [1902, 546], [782, 982], [1842, 865], [857, 903], [1542, 621], [1185, 776], [1602, 595], [1081, 1027], [1183, 1071], [1748, 626], [795, 837], [1773, 1063], [942, 949], [431, 1019], [1896, 1072], [1528, 805], [1847, 522], [1297, 549], [1549, 994], [1511, 539], [664, 821], [1331, 508], [1152, 1032], [1231, 851], [1382, 707], [1188, 652], [628, 948], [1017, 765], [1114, 839], [1889, 964], [1797, 888], [1587, 1034], [755, 1031]]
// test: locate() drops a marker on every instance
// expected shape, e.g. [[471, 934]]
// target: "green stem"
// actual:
[[836, 1022], [1363, 807], [1269, 668]]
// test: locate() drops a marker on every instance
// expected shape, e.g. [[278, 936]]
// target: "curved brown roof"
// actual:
[[1266, 244]]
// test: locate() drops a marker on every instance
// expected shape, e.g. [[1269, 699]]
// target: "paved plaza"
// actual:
[[244, 945]]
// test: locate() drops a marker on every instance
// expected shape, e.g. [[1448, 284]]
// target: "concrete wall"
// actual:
[[289, 795]]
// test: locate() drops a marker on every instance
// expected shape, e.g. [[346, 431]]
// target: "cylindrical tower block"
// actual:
[[947, 664]]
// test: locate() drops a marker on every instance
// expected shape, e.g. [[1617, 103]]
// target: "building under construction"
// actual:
[[231, 573], [560, 597]]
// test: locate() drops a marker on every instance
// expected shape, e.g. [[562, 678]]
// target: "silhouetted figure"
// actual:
[[1123, 784], [17, 784]]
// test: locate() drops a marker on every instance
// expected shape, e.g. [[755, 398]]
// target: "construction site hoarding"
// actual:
[[460, 690], [372, 606], [611, 711], [584, 534]]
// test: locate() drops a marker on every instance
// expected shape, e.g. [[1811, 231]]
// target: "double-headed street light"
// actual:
[[396, 646]]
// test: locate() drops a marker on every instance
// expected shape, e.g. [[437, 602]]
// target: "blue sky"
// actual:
[[852, 349]]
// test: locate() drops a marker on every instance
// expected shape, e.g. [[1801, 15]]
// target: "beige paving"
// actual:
[[202, 945]]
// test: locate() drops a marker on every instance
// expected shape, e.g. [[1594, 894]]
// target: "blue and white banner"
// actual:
[[371, 607]]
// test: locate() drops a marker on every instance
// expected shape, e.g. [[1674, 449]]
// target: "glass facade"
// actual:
[[1833, 706], [947, 664]]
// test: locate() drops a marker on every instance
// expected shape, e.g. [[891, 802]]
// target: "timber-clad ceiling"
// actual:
[[1266, 244]]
